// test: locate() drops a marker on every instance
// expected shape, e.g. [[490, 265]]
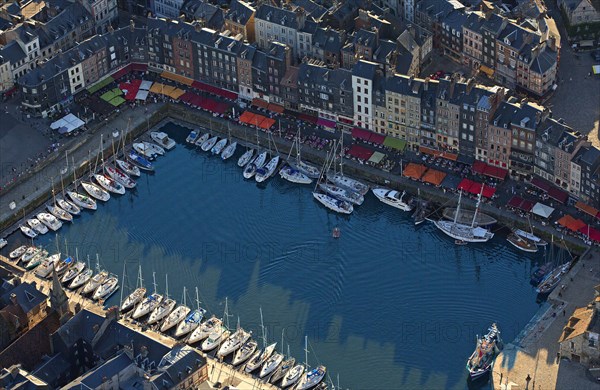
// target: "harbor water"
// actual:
[[386, 305]]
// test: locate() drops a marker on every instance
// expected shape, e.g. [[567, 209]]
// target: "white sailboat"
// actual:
[[83, 277], [74, 270], [283, 368], [245, 158], [202, 139], [209, 143], [234, 342], [192, 320], [109, 184], [300, 165], [154, 148], [392, 198], [260, 356], [337, 205], [47, 266], [267, 171], [29, 232], [245, 352], [271, 364], [294, 176], [82, 201], [149, 303], [95, 280], [136, 296], [342, 193], [164, 308], [29, 253], [338, 178], [162, 139], [119, 176], [176, 315], [313, 377], [219, 146], [128, 168], [56, 210], [202, 331], [215, 338], [18, 252], [95, 192], [464, 233], [106, 288], [253, 166]]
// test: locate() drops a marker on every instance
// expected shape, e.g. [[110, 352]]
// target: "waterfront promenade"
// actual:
[[533, 353]]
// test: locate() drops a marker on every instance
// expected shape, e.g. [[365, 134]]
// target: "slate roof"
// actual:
[[437, 9], [365, 69], [240, 12], [312, 9], [52, 368], [544, 60], [504, 114], [402, 84], [335, 78], [177, 362], [64, 23], [94, 378], [28, 296], [282, 17], [12, 52], [493, 24], [474, 22], [366, 38], [328, 39], [209, 13], [22, 381]]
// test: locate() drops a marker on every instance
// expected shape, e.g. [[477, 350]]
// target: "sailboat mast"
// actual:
[[167, 286], [197, 299], [121, 298], [458, 206], [184, 299], [341, 157], [140, 281], [226, 314], [97, 263], [154, 281], [477, 207], [262, 326], [306, 352]]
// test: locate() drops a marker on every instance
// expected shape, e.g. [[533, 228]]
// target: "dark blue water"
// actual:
[[387, 305]]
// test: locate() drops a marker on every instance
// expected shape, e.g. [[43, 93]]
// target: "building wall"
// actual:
[[582, 348], [363, 111]]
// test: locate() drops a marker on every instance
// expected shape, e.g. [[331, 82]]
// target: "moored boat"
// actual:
[[462, 232], [154, 148], [106, 288], [282, 370], [109, 184], [62, 266], [119, 176], [82, 201], [209, 143], [333, 204], [344, 181], [218, 147], [254, 165], [488, 346], [176, 316], [244, 352], [294, 176], [29, 232], [259, 358], [147, 305], [47, 266], [190, 323], [162, 139], [552, 279], [234, 342], [81, 279], [58, 212], [191, 138], [466, 216], [95, 192], [530, 236], [95, 282], [312, 378], [140, 161], [73, 271], [245, 158], [271, 364], [36, 260], [29, 253], [293, 376], [36, 225], [129, 168], [202, 139], [342, 193], [202, 332], [215, 338], [18, 252], [133, 299], [521, 243], [69, 207], [144, 151], [49, 220], [392, 198], [265, 172], [229, 150]]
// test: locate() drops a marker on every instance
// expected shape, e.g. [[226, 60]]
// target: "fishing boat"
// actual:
[[150, 303], [283, 369], [392, 198], [294, 176], [144, 151], [136, 296], [29, 253], [254, 165], [191, 138], [73, 271], [129, 168], [36, 260], [81, 279], [341, 193], [488, 346], [552, 280], [36, 225], [521, 243], [69, 207], [58, 212], [202, 139], [95, 192], [271, 364], [206, 328], [164, 308], [109, 184], [218, 147], [259, 358], [119, 176], [245, 158], [293, 376], [339, 206], [154, 148], [461, 232], [192, 320], [47, 265], [140, 161], [234, 342], [18, 252], [244, 352], [466, 216], [29, 232], [106, 288], [263, 173], [162, 139], [49, 220], [176, 316], [82, 201], [229, 150], [209, 143], [215, 338], [62, 266]]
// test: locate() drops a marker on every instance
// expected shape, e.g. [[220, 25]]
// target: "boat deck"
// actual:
[[466, 217]]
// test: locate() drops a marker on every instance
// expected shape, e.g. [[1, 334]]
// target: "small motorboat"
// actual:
[[95, 192], [133, 299], [106, 288], [73, 271], [392, 198], [82, 201], [159, 151], [36, 225], [229, 150], [202, 139], [208, 144], [109, 184], [47, 265], [218, 148], [140, 161], [119, 176], [215, 338], [69, 207], [162, 139], [17, 253], [129, 168], [81, 279], [204, 330], [244, 352], [59, 213], [49, 220], [191, 138], [29, 232], [144, 151], [245, 158]]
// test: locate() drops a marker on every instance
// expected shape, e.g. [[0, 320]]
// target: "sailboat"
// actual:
[[553, 278], [56, 210], [267, 171], [313, 377], [294, 176], [218, 333], [253, 166], [244, 353], [29, 253], [337, 205], [283, 368], [392, 198], [153, 148], [480, 362], [119, 176], [64, 204], [164, 308], [529, 235], [206, 328], [260, 356], [209, 143], [106, 288], [461, 232], [219, 146], [310, 171], [107, 182], [229, 150], [136, 296], [202, 139], [149, 303], [341, 180], [145, 150], [129, 168], [293, 376], [192, 320], [234, 342], [93, 190], [139, 161], [176, 316], [83, 277], [95, 280], [36, 259], [74, 270], [49, 220], [245, 158], [341, 193], [522, 243]]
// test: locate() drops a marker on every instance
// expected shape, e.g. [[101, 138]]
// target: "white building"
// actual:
[[363, 74]]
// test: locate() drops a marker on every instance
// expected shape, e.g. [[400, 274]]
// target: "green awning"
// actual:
[[117, 101], [394, 143], [377, 157], [101, 84], [108, 96]]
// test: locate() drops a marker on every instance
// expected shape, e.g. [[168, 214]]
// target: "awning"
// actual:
[[377, 139], [176, 93], [590, 232], [275, 108], [558, 194], [542, 210], [541, 184], [139, 67], [488, 71], [479, 167], [451, 181], [121, 72], [117, 101], [527, 205], [326, 123], [515, 202], [308, 118], [465, 185], [430, 151], [177, 78], [101, 84], [256, 102], [215, 90], [587, 209], [362, 134], [488, 191], [141, 95], [394, 143], [246, 117], [157, 88], [495, 172], [146, 85], [596, 69], [377, 157], [414, 171], [360, 152], [67, 124], [130, 88], [434, 177], [571, 223]]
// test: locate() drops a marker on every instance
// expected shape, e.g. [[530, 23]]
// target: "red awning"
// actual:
[[360, 152], [495, 172], [464, 185], [326, 123], [488, 191], [515, 202], [130, 88], [592, 233], [479, 167], [377, 138], [121, 72], [527, 205], [541, 184], [214, 90], [571, 223], [430, 151], [256, 102], [308, 118], [139, 67], [359, 133], [275, 108], [558, 195], [475, 188]]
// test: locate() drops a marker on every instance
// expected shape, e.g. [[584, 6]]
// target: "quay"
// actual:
[[217, 371], [34, 190]]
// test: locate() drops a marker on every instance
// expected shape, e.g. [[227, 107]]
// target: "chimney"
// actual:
[[13, 299], [426, 84], [470, 84], [524, 102], [131, 25]]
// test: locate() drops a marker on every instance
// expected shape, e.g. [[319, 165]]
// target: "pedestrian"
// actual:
[[564, 313]]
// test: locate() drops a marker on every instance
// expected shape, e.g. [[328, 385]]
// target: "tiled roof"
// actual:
[[582, 320]]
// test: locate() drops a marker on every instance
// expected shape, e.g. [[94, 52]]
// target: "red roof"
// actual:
[[593, 234], [465, 184]]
